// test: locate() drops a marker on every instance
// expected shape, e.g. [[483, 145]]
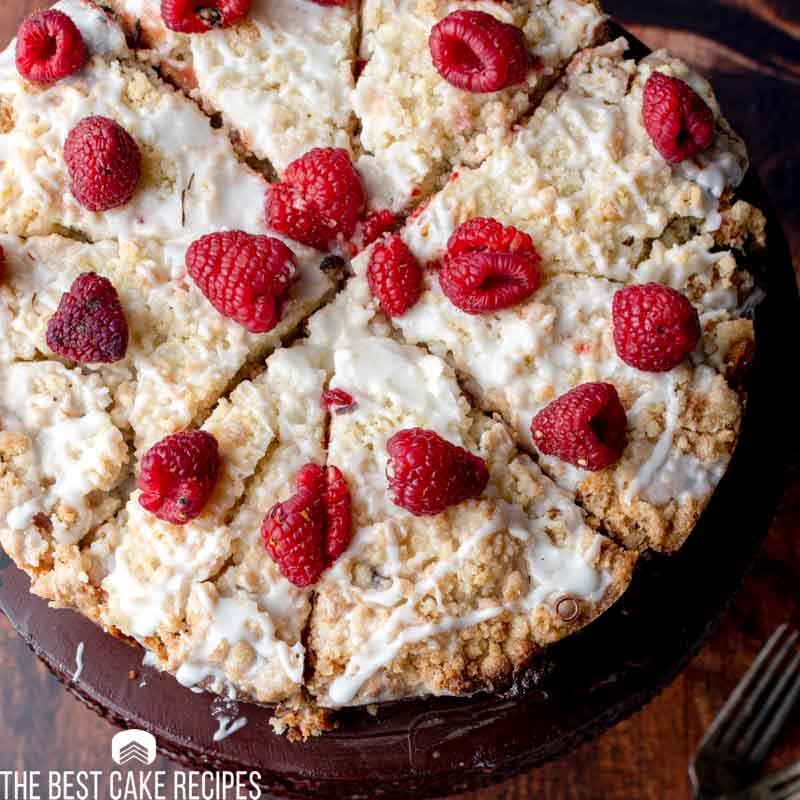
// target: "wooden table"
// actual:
[[751, 51]]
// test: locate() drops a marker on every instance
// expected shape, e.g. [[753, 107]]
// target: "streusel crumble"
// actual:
[[355, 351]]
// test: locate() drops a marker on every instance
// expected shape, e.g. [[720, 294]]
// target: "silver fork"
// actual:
[[742, 734], [783, 785]]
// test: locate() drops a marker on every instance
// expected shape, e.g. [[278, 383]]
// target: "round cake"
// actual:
[[354, 352]]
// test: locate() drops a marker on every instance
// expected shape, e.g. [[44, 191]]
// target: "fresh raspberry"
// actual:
[[49, 47], [292, 533], [372, 227], [394, 276], [339, 527], [89, 325], [178, 476], [488, 267], [677, 119], [311, 478], [585, 427], [245, 277], [477, 52], [428, 474], [484, 233], [201, 16], [319, 199], [333, 398], [104, 163], [311, 529], [655, 327]]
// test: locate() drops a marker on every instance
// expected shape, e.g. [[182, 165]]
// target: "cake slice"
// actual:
[[584, 180], [282, 78], [62, 463], [414, 124], [252, 590], [205, 598], [191, 182], [182, 352], [452, 603]]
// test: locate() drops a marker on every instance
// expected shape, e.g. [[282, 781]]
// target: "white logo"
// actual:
[[133, 745]]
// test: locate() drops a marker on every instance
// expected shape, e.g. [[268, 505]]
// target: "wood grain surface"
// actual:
[[751, 51]]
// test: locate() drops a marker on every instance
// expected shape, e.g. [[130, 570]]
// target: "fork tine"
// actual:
[[767, 714], [760, 684], [791, 696], [731, 712], [785, 785]]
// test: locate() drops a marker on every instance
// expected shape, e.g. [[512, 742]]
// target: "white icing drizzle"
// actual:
[[234, 620], [553, 571], [101, 35], [647, 472], [713, 171], [78, 662], [402, 627], [228, 726], [288, 88], [149, 659], [75, 449]]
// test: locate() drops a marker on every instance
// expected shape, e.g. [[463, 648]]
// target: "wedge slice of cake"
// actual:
[[456, 602], [180, 193], [62, 461], [415, 124], [204, 597], [282, 78]]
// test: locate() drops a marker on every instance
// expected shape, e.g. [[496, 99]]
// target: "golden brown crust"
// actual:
[[463, 600]]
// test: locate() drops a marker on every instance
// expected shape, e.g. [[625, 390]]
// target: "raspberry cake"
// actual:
[[282, 79], [353, 352]]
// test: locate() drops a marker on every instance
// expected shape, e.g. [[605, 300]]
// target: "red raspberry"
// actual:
[[178, 476], [428, 474], [319, 199], [336, 398], [104, 163], [310, 478], [201, 16], [49, 47], [677, 119], [307, 532], [394, 276], [246, 278], [484, 233], [477, 52], [488, 267], [373, 227], [339, 528], [89, 325], [585, 427], [655, 327]]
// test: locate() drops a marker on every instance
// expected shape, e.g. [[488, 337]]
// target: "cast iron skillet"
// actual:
[[586, 684]]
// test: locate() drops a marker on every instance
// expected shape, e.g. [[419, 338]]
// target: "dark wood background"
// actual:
[[751, 51]]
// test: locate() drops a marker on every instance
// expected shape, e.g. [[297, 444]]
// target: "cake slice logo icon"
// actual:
[[133, 745]]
